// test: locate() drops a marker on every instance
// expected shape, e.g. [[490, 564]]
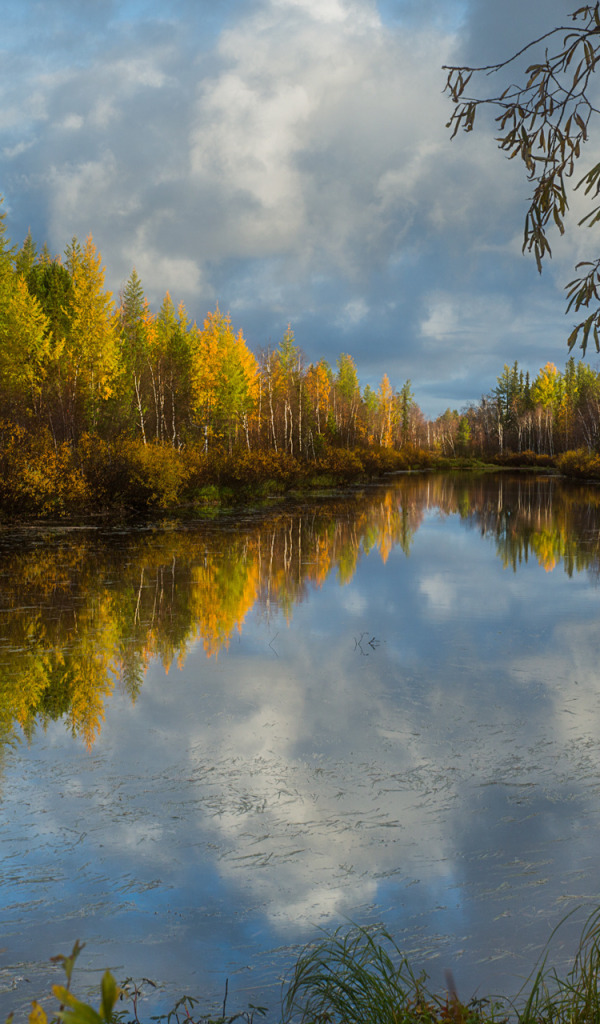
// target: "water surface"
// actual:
[[219, 738]]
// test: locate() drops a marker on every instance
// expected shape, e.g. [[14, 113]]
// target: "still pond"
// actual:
[[219, 738]]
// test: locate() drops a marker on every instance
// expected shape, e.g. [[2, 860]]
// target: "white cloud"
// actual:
[[321, 10], [440, 593], [13, 151], [72, 123], [353, 313], [154, 269], [465, 316], [305, 128]]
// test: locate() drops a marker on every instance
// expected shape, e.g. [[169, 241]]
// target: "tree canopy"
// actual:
[[544, 119]]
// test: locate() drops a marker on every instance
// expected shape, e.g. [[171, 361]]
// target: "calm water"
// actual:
[[217, 739]]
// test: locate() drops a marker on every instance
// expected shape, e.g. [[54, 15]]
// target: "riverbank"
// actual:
[[125, 476], [360, 976]]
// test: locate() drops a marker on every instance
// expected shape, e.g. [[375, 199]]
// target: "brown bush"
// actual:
[[581, 464]]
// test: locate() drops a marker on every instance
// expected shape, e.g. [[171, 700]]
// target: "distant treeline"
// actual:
[[75, 365], [553, 413]]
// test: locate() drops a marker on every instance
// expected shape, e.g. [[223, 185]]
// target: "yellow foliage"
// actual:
[[544, 389], [37, 1014], [93, 349]]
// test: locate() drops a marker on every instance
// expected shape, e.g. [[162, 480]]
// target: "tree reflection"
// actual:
[[82, 612]]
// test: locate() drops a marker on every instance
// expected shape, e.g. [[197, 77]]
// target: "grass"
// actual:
[[359, 976]]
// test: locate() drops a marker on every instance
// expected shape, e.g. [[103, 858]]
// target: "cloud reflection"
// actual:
[[442, 780]]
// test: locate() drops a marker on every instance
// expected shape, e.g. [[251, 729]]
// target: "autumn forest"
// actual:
[[105, 402]]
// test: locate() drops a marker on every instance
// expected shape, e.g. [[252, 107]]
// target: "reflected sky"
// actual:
[[418, 746]]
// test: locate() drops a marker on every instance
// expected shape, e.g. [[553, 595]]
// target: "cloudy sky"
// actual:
[[289, 160]]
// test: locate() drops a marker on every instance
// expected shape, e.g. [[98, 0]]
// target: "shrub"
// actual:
[[156, 475], [581, 464], [37, 476], [128, 473], [343, 463], [527, 458]]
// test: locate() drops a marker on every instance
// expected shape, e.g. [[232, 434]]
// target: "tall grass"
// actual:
[[574, 999], [360, 976]]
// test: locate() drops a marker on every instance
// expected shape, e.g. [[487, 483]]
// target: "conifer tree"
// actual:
[[24, 341], [26, 256], [93, 341], [134, 347], [173, 360], [346, 398], [385, 409]]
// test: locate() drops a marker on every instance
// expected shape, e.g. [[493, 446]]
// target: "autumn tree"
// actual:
[[172, 361], [346, 393], [267, 398], [444, 432], [25, 345], [51, 284], [544, 119], [587, 413], [134, 349], [290, 389], [544, 394], [93, 344], [406, 411], [223, 377], [386, 412], [318, 388], [25, 350]]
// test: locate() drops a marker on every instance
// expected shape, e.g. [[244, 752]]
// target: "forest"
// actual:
[[111, 402]]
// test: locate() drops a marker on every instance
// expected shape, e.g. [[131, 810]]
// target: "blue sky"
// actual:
[[289, 160]]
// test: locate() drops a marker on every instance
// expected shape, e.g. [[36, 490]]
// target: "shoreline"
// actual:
[[126, 480]]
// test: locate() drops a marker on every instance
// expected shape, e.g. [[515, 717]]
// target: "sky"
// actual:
[[289, 160]]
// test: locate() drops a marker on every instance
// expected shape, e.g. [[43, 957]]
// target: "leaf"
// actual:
[[110, 993], [586, 332], [37, 1014], [68, 962], [76, 1011]]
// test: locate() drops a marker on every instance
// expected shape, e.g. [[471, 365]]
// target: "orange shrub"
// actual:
[[38, 477]]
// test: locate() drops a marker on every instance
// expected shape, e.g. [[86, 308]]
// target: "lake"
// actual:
[[218, 738]]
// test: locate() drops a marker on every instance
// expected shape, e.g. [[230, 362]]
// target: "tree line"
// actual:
[[555, 412], [74, 363]]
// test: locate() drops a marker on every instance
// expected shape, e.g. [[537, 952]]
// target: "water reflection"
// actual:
[[365, 715], [81, 610]]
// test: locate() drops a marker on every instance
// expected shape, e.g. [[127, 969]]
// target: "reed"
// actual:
[[359, 976]]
